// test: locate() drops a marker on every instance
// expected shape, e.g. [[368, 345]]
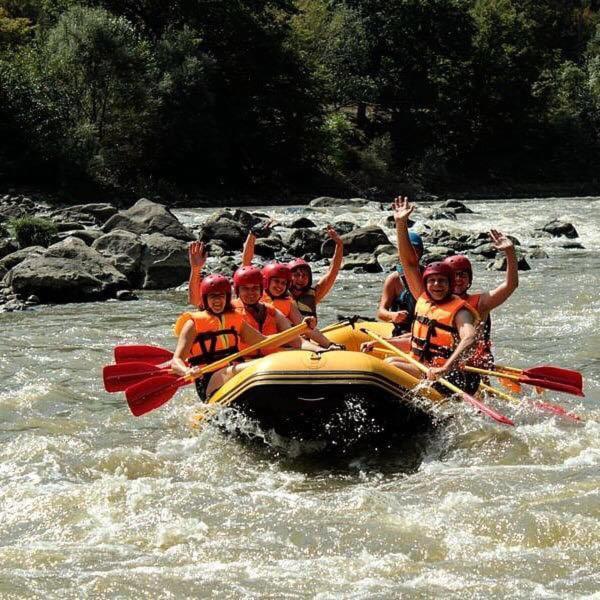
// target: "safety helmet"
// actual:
[[438, 268], [459, 262], [416, 240], [300, 263], [215, 284], [276, 269], [247, 275]]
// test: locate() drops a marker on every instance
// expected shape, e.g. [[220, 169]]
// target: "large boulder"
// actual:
[[93, 214], [558, 228], [124, 250], [364, 263], [11, 260], [68, 271], [146, 217], [363, 239], [229, 232], [164, 262], [243, 218], [500, 264], [456, 206], [305, 241], [267, 247], [301, 223]]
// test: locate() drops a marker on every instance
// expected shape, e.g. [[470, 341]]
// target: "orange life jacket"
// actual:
[[217, 336], [283, 304], [482, 355], [267, 327], [434, 334]]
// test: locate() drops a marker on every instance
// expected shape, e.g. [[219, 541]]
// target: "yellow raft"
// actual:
[[320, 396]]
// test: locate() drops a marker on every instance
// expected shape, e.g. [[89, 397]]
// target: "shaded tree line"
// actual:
[[145, 95]]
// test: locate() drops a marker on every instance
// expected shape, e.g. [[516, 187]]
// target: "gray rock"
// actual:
[[225, 230], [558, 228], [164, 262], [364, 239], [33, 299], [124, 251], [456, 206], [96, 213], [301, 223], [146, 217], [485, 250], [304, 241], [388, 261], [386, 249], [126, 295], [267, 247], [11, 260], [67, 272], [8, 246], [366, 262], [343, 227], [89, 236], [573, 246], [62, 226], [538, 253], [328, 202], [438, 215], [500, 264]]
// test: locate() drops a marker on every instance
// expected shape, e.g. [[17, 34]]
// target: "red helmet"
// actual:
[[300, 263], [248, 275], [459, 262], [438, 268], [276, 269], [215, 284]]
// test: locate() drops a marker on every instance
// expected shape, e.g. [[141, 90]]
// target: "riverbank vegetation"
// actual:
[[360, 95]]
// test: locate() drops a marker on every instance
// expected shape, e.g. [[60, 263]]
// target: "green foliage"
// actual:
[[33, 231]]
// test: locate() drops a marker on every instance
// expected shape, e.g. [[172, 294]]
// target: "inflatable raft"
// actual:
[[332, 395]]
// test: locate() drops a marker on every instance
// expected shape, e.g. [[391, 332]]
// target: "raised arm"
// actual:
[[248, 250], [410, 263], [197, 254], [326, 282], [494, 298]]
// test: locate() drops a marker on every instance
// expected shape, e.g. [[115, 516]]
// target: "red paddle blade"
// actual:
[[151, 393], [558, 374], [500, 418], [117, 378], [557, 410], [550, 384], [135, 353]]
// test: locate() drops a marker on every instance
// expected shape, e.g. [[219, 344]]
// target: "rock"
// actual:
[[364, 239], [485, 250], [538, 253], [304, 241], [328, 202], [558, 228], [67, 272], [438, 215], [500, 264], [388, 261], [126, 295], [11, 260], [226, 266], [267, 247], [301, 223], [538, 233], [89, 236], [124, 251], [8, 246], [366, 262], [386, 249], [164, 262], [96, 213], [573, 246], [343, 227], [476, 239], [225, 230], [457, 245], [146, 217], [62, 226], [32, 300], [436, 253], [456, 206]]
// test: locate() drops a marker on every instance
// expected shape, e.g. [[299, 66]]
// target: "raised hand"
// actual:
[[501, 242], [333, 234], [402, 209], [197, 254]]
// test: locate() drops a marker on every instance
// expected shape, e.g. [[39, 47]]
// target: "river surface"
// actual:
[[95, 503]]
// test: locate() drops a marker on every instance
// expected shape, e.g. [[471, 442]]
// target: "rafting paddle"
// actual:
[[117, 378], [153, 392], [500, 418], [547, 377], [137, 353]]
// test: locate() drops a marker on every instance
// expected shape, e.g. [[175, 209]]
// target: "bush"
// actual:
[[31, 231]]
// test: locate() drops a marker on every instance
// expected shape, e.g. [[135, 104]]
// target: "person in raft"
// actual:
[[301, 288], [443, 330], [397, 304], [485, 302], [213, 333]]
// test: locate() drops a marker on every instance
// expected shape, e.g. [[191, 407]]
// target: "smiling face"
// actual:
[[250, 294], [216, 302], [462, 282], [438, 287], [300, 278], [277, 286]]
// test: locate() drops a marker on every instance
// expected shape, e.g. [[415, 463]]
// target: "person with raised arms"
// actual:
[[397, 304], [443, 330], [301, 288], [485, 302]]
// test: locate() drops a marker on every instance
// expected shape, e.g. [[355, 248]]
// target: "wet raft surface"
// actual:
[[95, 503]]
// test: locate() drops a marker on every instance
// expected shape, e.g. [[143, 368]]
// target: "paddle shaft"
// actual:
[[492, 373]]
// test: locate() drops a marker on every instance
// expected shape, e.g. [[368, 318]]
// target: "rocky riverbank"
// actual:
[[99, 252]]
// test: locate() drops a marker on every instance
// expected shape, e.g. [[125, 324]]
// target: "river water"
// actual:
[[95, 503]]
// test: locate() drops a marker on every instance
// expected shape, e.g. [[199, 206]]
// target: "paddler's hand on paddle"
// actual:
[[400, 317], [197, 254], [402, 209], [367, 346], [310, 321], [434, 373], [501, 242]]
